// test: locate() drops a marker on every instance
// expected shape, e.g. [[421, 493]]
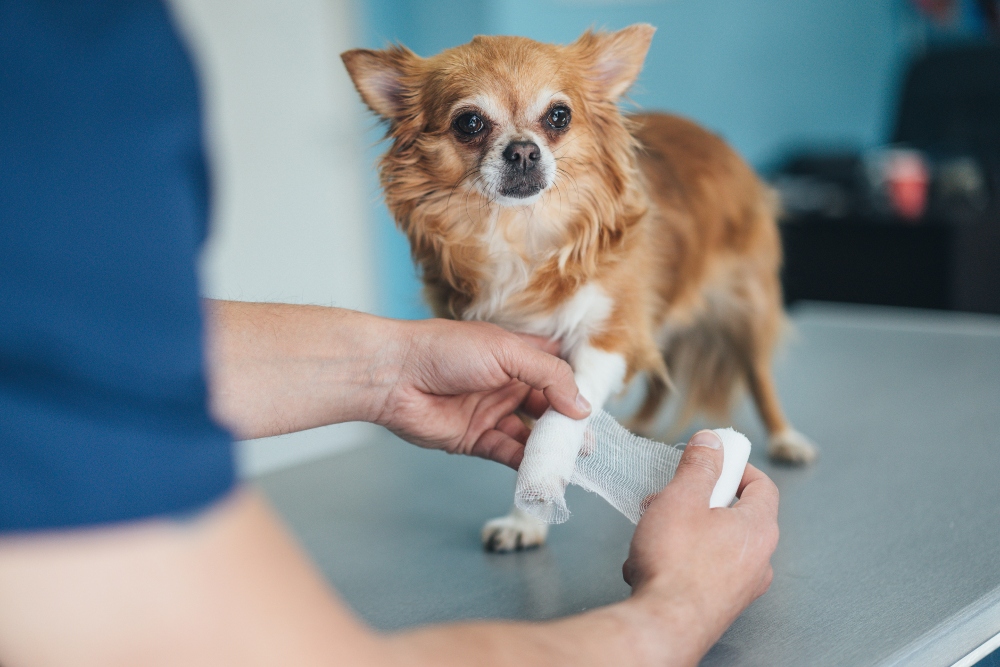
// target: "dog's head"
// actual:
[[501, 111], [503, 123]]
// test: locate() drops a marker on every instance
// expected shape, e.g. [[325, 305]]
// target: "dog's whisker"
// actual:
[[457, 185], [571, 178]]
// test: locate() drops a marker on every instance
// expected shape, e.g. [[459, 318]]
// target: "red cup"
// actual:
[[907, 182]]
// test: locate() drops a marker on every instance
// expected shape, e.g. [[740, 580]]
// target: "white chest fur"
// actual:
[[508, 272], [571, 322]]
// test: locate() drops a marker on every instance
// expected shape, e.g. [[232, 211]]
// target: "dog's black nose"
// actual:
[[522, 155]]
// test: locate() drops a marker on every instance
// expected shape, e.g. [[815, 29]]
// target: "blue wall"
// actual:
[[768, 75], [765, 74]]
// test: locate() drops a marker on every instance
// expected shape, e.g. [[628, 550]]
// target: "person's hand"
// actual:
[[460, 383], [702, 567]]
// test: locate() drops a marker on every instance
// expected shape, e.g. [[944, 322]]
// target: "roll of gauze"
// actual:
[[621, 467], [736, 451]]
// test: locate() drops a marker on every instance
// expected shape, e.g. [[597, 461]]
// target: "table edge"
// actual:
[[955, 641]]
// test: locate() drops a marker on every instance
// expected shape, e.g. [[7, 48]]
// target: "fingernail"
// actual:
[[706, 438], [583, 403]]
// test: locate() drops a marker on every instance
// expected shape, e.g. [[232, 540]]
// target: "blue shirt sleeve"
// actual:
[[103, 209]]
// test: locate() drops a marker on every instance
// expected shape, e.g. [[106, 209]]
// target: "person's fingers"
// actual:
[[494, 406], [500, 447], [514, 427], [750, 474], [646, 502], [765, 582], [699, 468], [758, 499], [758, 494], [535, 404], [627, 571], [548, 374], [549, 345]]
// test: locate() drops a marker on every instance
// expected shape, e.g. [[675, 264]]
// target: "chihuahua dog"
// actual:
[[643, 243]]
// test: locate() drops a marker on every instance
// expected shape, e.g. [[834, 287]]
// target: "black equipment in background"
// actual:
[[916, 223]]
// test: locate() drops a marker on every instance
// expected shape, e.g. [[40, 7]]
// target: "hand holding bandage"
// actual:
[[621, 467]]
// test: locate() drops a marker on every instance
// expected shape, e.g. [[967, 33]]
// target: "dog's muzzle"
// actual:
[[521, 177]]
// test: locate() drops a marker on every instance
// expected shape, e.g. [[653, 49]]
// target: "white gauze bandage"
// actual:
[[625, 469]]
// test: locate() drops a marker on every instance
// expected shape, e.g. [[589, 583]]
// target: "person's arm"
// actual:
[[277, 368], [231, 587]]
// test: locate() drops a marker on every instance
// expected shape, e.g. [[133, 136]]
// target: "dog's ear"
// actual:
[[380, 77], [615, 58]]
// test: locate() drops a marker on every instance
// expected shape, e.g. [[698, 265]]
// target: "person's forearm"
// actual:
[[278, 368], [633, 632], [232, 587]]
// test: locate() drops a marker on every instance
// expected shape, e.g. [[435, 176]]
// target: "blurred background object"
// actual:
[[914, 223], [877, 122]]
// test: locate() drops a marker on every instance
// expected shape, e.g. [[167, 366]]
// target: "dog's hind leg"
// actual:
[[513, 532], [785, 443], [657, 389]]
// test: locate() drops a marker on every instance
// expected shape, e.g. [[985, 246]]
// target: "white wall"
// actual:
[[290, 210]]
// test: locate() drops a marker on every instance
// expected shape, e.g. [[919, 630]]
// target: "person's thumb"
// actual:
[[700, 467]]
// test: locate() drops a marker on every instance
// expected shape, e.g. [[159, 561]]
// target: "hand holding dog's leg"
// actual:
[[278, 368]]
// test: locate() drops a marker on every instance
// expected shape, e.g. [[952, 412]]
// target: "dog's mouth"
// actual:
[[518, 174], [522, 186]]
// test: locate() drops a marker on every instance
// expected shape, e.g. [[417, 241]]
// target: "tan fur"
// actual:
[[658, 212]]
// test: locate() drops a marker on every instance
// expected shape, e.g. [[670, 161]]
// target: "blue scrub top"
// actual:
[[103, 209]]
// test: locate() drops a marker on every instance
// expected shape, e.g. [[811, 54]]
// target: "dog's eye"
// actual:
[[558, 117], [470, 124]]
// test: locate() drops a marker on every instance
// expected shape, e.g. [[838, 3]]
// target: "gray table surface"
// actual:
[[889, 544]]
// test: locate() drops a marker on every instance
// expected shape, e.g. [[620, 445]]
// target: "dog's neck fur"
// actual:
[[537, 268], [512, 265], [517, 241]]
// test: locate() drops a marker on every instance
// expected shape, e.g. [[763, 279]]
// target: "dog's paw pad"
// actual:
[[790, 446], [513, 533]]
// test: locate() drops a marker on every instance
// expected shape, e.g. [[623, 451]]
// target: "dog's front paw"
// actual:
[[790, 446], [514, 532]]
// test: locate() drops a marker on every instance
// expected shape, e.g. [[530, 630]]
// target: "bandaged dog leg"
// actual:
[[549, 459], [552, 448], [623, 468], [628, 470], [601, 456]]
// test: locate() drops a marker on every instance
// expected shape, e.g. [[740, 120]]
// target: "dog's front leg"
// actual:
[[550, 455]]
